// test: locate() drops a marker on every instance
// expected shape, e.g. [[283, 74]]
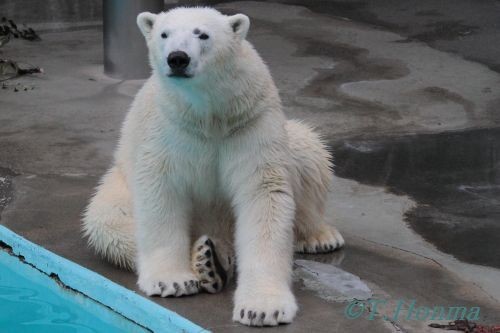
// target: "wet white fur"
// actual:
[[212, 154]]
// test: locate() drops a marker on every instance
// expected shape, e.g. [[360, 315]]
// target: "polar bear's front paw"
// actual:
[[169, 285], [326, 239], [264, 308]]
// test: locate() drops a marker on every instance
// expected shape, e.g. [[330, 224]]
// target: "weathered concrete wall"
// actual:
[[36, 11]]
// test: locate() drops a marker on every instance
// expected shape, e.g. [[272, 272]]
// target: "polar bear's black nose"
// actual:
[[178, 60]]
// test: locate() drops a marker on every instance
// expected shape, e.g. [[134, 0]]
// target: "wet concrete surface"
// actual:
[[358, 85], [392, 277], [355, 83], [47, 211], [467, 28], [453, 176], [351, 64]]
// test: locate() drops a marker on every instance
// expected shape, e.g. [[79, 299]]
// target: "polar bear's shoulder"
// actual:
[[145, 102], [143, 113]]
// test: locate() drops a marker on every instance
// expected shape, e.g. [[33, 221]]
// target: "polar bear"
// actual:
[[207, 161]]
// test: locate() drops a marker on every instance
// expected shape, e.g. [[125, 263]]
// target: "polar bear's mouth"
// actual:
[[182, 75]]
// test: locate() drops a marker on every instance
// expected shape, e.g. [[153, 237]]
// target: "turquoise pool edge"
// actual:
[[121, 300]]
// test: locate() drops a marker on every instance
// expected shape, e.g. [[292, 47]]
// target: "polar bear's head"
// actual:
[[184, 43]]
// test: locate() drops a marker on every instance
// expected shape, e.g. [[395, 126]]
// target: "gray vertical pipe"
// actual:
[[125, 53]]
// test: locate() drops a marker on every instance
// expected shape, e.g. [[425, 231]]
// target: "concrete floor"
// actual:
[[375, 98]]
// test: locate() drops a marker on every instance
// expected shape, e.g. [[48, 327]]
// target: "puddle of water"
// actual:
[[352, 65], [329, 282], [33, 302], [453, 176]]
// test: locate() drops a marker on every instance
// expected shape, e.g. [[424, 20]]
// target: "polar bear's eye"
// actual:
[[164, 35], [203, 36]]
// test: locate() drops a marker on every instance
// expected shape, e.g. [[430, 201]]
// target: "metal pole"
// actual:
[[125, 52]]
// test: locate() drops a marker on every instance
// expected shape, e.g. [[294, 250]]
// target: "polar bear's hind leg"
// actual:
[[213, 263], [108, 222], [313, 172]]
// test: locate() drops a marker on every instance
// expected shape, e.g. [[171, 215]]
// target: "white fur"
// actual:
[[212, 154]]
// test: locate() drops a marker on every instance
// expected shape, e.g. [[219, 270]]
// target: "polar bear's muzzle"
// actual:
[[178, 61]]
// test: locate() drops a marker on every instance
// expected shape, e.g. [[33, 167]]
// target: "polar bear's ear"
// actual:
[[239, 24], [145, 21]]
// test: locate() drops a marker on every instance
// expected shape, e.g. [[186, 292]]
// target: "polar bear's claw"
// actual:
[[171, 287], [266, 310], [326, 239]]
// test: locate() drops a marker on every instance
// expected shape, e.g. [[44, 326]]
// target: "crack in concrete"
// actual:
[[400, 249], [386, 320]]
